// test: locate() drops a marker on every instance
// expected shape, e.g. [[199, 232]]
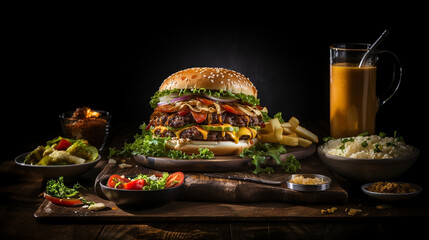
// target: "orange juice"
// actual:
[[353, 100]]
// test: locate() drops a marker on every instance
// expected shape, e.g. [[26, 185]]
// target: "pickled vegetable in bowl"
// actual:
[[62, 151]]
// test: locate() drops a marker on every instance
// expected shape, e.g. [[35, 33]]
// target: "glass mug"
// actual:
[[353, 100]]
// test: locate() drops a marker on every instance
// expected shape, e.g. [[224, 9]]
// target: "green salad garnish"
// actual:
[[148, 145], [259, 153]]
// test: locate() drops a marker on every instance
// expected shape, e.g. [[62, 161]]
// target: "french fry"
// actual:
[[289, 141], [291, 135], [267, 137], [293, 121], [267, 129], [302, 142], [277, 128], [287, 130], [303, 132], [287, 133]]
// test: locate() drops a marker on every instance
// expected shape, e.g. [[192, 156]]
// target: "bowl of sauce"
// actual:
[[85, 123]]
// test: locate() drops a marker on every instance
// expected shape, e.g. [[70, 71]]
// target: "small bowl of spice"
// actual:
[[308, 182], [85, 123], [391, 191]]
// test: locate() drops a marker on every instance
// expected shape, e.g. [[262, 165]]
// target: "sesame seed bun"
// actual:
[[210, 78]]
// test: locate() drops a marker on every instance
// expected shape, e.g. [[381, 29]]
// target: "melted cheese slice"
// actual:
[[243, 131], [202, 131]]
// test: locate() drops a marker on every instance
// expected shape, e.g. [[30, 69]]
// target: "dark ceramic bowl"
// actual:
[[140, 198], [368, 170], [55, 171]]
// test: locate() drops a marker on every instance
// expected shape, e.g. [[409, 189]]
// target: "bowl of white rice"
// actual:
[[368, 157]]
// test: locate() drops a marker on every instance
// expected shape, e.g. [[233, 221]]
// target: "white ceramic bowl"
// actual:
[[55, 171], [368, 170]]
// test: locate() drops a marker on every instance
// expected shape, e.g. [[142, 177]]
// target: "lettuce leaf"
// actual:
[[260, 151], [240, 96], [148, 145]]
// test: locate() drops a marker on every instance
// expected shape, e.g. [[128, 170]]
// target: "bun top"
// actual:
[[210, 78]]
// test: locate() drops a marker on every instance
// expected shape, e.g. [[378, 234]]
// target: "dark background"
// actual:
[[57, 62]]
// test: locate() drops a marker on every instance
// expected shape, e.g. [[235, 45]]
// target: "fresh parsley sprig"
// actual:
[[57, 189]]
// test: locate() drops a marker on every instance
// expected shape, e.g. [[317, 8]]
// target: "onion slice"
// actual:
[[223, 99], [185, 97]]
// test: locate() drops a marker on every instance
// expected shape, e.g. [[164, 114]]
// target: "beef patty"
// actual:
[[175, 120], [194, 134]]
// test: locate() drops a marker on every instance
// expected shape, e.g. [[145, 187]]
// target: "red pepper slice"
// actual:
[[63, 145], [63, 201], [205, 101], [232, 109], [199, 116]]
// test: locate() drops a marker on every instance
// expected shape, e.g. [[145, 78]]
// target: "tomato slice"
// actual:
[[205, 101], [175, 179], [166, 108], [116, 181], [183, 111], [232, 109], [199, 116], [63, 201], [63, 144], [135, 185]]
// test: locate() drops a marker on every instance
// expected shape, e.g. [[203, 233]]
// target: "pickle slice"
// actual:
[[220, 128]]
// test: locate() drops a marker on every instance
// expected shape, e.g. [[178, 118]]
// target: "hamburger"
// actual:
[[212, 108]]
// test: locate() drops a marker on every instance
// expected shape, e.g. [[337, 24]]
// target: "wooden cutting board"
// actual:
[[210, 199], [202, 188]]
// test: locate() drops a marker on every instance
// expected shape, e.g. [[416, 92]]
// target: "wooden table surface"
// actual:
[[20, 198]]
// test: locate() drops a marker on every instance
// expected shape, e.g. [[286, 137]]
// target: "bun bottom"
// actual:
[[219, 148]]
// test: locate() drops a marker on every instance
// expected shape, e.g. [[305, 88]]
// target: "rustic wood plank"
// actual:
[[167, 231]]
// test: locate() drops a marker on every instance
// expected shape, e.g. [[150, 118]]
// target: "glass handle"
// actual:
[[397, 77]]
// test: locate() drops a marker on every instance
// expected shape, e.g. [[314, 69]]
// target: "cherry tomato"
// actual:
[[199, 116], [135, 185], [63, 144], [63, 201], [116, 181], [174, 179], [232, 109]]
